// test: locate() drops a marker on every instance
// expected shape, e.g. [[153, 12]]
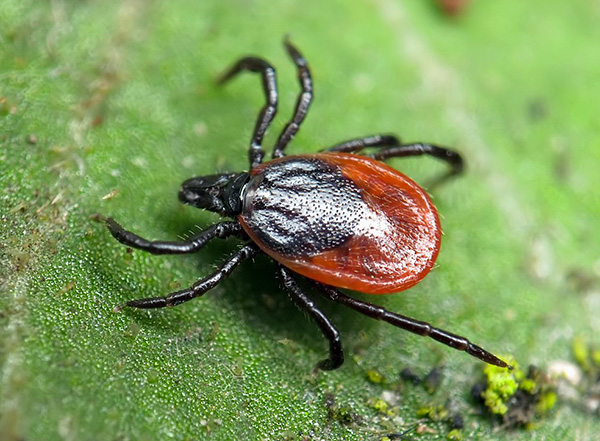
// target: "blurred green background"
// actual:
[[107, 106]]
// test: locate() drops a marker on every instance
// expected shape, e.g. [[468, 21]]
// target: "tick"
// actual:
[[338, 218]]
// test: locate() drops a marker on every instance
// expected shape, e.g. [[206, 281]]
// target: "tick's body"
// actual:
[[340, 219]]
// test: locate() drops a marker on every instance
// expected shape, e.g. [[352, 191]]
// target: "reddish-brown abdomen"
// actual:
[[385, 232]]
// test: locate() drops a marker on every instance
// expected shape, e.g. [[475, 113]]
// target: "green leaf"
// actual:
[[106, 107]]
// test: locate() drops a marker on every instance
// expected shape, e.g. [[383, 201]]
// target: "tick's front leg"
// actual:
[[193, 244]]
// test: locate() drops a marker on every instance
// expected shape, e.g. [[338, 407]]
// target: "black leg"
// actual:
[[198, 288], [191, 245], [412, 325], [417, 149], [302, 104], [358, 144], [336, 354], [392, 148], [267, 113]]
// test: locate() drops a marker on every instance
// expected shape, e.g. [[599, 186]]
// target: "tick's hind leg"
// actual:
[[268, 111], [221, 230], [415, 326], [198, 288], [336, 353], [391, 147], [302, 104]]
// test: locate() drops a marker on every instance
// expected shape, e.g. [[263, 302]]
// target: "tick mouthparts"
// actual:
[[188, 193]]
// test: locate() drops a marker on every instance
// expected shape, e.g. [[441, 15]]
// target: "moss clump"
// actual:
[[517, 397], [433, 412], [374, 376], [501, 386], [581, 353], [455, 435]]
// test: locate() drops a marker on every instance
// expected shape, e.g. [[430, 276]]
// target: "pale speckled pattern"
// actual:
[[302, 206]]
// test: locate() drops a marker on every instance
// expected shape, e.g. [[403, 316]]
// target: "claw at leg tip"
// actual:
[[120, 307], [97, 217]]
